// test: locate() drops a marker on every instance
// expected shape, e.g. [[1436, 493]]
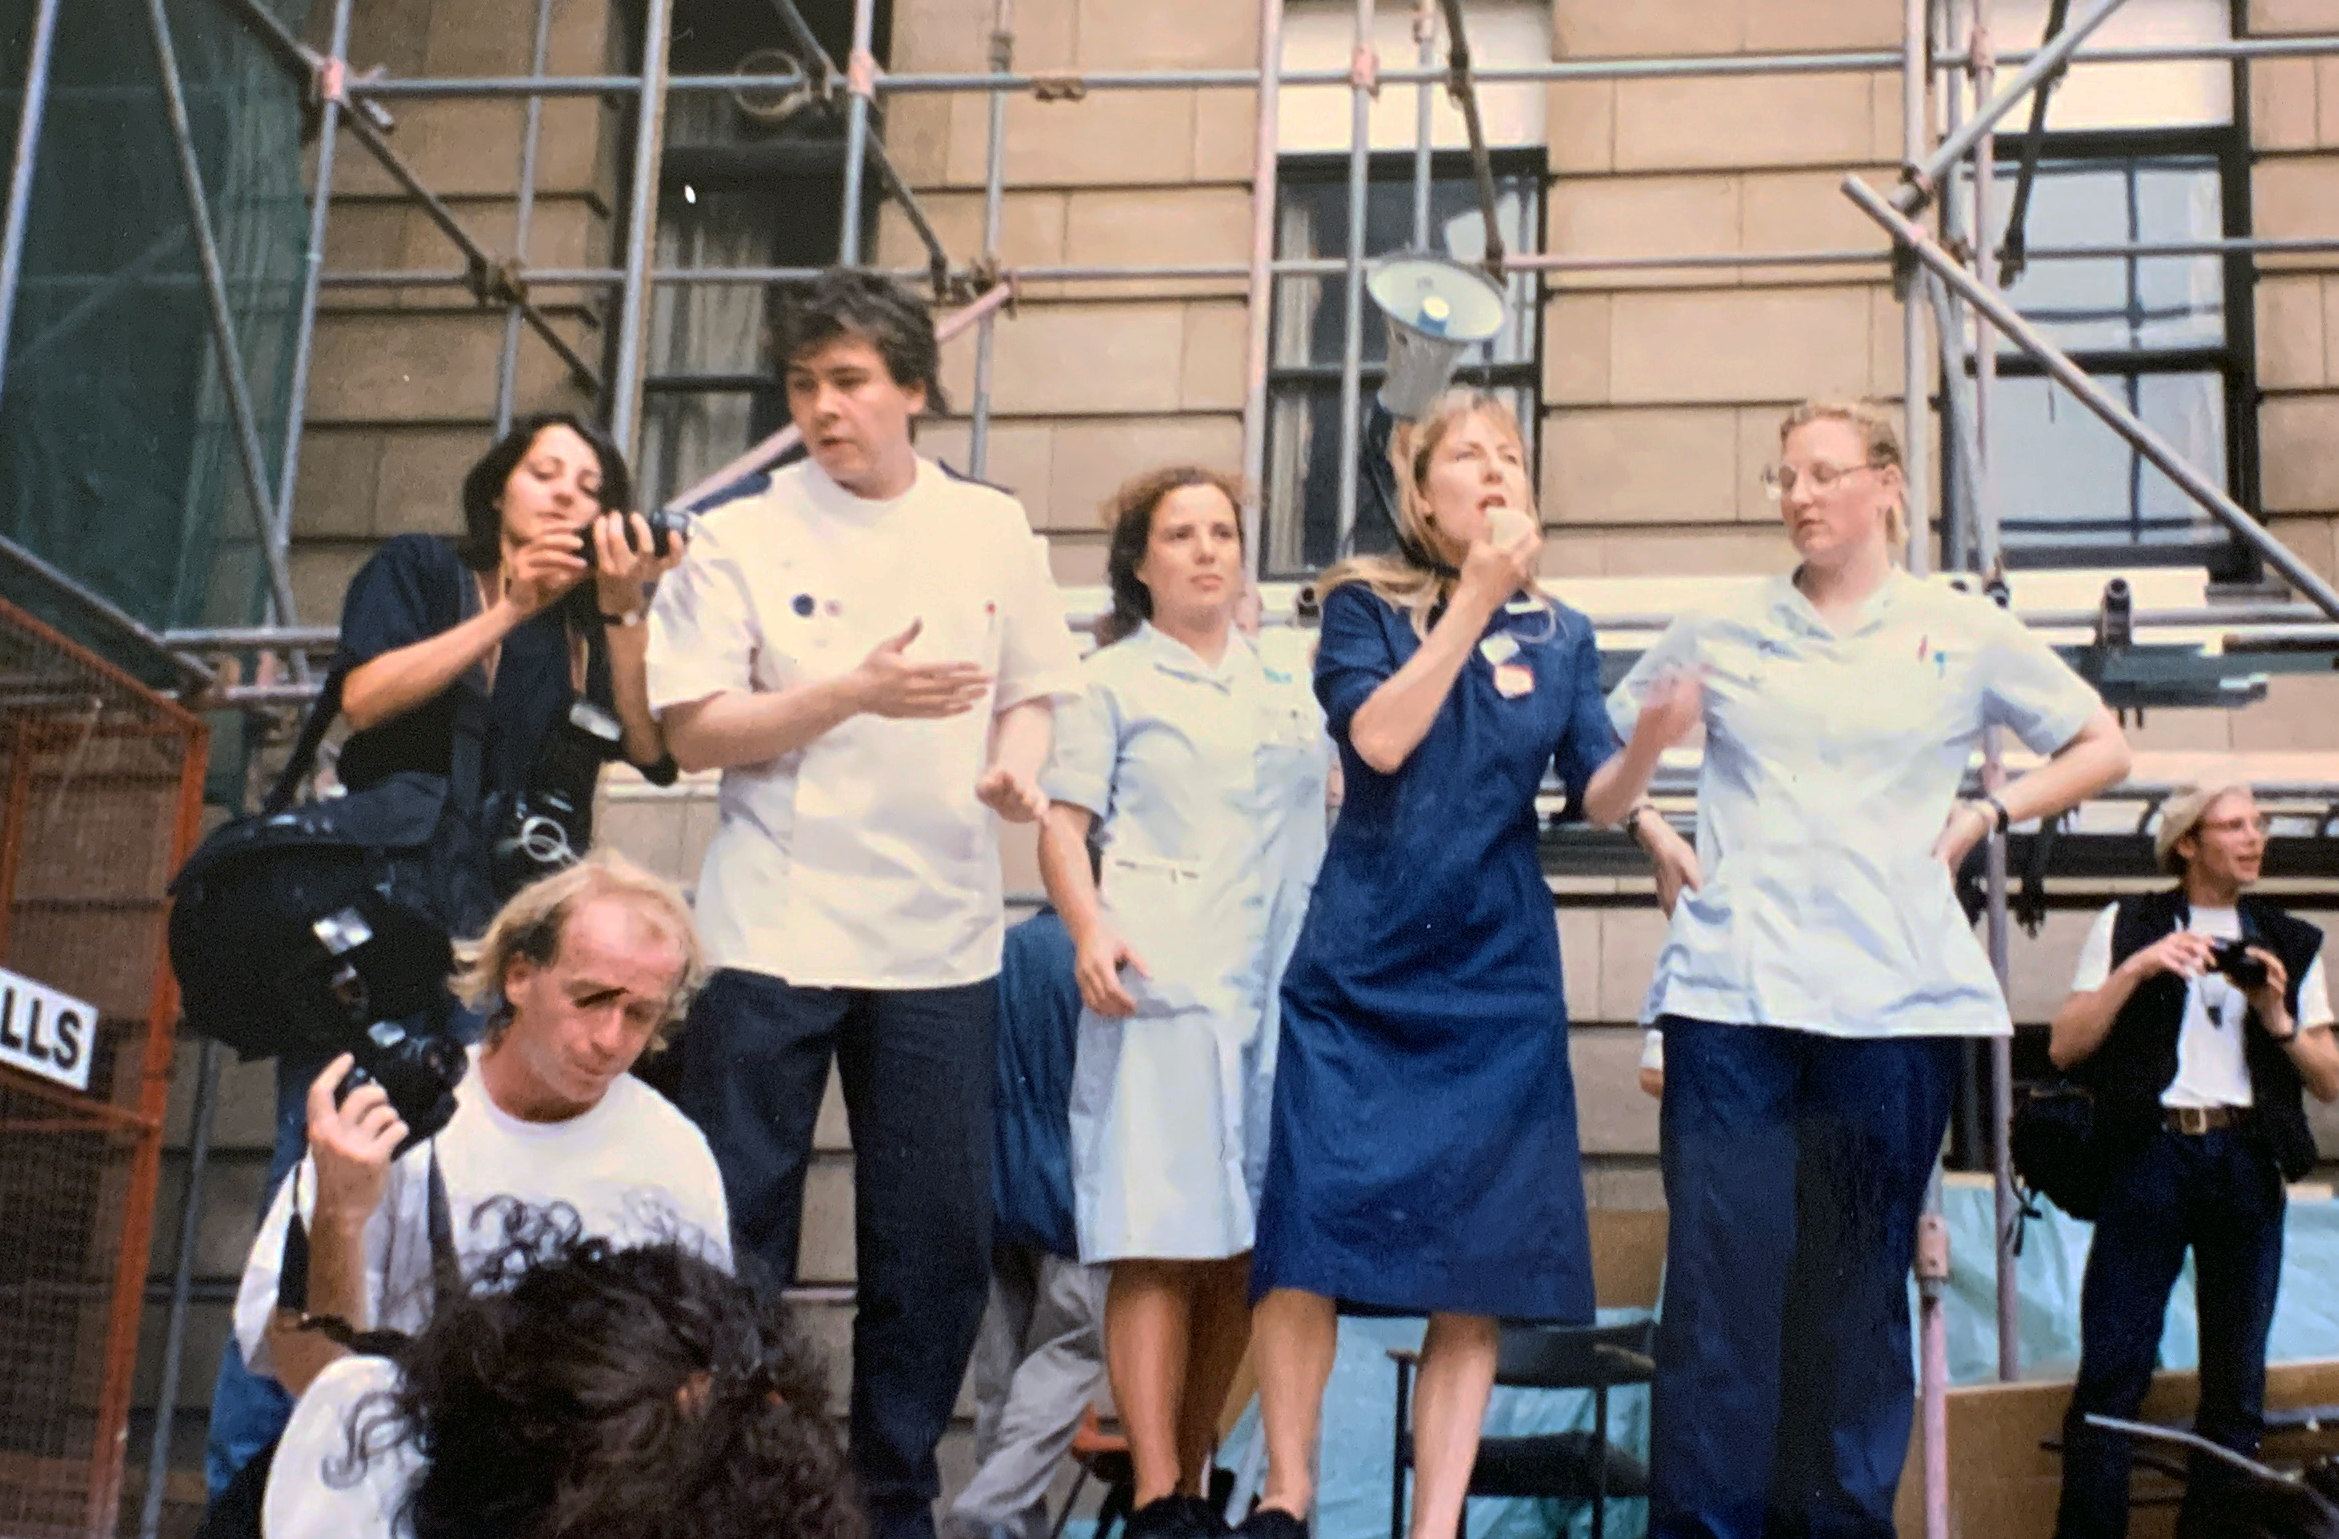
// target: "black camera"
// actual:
[[2232, 958], [390, 1014], [663, 527], [548, 826]]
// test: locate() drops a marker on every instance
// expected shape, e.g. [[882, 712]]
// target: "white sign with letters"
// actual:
[[44, 1032]]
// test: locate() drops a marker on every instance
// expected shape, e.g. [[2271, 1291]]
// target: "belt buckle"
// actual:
[[2193, 1120]]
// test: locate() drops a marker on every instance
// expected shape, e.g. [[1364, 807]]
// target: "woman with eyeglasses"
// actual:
[[1422, 1154], [1818, 981]]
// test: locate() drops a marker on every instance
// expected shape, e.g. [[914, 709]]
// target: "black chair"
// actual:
[[1580, 1467]]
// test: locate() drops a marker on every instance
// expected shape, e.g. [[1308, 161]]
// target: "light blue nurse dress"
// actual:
[[1207, 782]]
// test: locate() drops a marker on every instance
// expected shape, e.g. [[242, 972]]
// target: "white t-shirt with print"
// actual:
[[2212, 1066], [633, 1168], [315, 1489]]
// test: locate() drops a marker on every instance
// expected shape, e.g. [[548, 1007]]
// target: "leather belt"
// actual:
[[2196, 1120]]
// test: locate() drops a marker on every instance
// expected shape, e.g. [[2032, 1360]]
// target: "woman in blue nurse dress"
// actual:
[[1423, 1157], [1198, 770]]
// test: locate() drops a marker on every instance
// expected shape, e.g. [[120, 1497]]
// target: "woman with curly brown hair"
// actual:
[[1199, 770], [579, 1388]]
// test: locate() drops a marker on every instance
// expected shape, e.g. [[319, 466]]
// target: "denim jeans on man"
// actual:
[[1795, 1169], [916, 1066], [2219, 1194]]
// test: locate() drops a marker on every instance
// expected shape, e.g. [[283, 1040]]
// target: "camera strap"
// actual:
[[446, 1264]]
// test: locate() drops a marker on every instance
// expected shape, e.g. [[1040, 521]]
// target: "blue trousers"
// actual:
[[917, 1070], [1795, 1169], [248, 1412], [2222, 1197]]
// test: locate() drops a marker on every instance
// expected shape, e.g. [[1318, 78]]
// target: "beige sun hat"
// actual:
[[2182, 813]]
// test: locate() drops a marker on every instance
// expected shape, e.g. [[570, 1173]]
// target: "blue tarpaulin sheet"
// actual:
[[1353, 1494]]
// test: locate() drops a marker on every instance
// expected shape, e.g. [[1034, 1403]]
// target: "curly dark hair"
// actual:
[[583, 1388], [845, 302], [482, 544], [1128, 513]]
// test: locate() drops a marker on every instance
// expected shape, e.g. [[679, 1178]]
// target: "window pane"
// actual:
[[1303, 476], [2061, 473], [1314, 223], [2189, 411], [2120, 302]]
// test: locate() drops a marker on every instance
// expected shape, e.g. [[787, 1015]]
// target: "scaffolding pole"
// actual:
[[228, 355], [1989, 563], [1688, 67], [1259, 283], [641, 223], [1931, 1263], [1363, 85], [861, 81], [304, 345], [1915, 430], [2039, 68], [507, 363], [22, 164], [978, 450], [1994, 308], [1425, 53]]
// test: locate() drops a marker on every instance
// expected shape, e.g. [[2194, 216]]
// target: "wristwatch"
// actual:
[[630, 617], [1632, 822], [1995, 811]]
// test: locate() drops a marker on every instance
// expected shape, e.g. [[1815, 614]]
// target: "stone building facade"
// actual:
[[1654, 393]]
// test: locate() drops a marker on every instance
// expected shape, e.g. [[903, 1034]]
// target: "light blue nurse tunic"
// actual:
[[1207, 782]]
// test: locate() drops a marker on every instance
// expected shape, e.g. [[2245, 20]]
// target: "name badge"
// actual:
[[1511, 680], [1499, 648]]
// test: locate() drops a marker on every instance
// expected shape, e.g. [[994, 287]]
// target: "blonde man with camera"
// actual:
[[2197, 1017], [578, 976]]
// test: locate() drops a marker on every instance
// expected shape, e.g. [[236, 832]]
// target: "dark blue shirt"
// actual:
[[416, 587], [1039, 1019]]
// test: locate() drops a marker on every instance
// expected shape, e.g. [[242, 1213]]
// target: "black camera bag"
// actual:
[[2057, 1151], [406, 857]]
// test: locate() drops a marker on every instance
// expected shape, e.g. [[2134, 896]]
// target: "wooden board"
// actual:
[[2004, 1485]]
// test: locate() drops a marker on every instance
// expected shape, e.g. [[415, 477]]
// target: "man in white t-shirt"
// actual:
[[2197, 1016], [869, 649], [577, 976]]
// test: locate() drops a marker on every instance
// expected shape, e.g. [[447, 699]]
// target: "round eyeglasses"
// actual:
[[1779, 481]]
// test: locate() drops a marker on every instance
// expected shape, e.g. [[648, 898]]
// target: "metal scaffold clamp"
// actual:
[[1932, 1249], [1058, 88], [1364, 72]]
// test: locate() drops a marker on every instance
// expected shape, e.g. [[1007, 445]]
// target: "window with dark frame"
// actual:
[[2170, 336], [735, 190], [1301, 534]]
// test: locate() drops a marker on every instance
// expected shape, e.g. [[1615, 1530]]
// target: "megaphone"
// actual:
[[1438, 310]]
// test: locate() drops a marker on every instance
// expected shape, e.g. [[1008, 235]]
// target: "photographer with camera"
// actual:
[[525, 633], [577, 977], [2197, 1016]]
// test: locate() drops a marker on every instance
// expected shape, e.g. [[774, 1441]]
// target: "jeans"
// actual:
[[2221, 1196], [917, 1070], [1795, 1168]]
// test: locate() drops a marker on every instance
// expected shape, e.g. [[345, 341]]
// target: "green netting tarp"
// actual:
[[118, 455]]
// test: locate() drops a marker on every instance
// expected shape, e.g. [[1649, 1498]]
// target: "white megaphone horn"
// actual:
[[1438, 310]]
